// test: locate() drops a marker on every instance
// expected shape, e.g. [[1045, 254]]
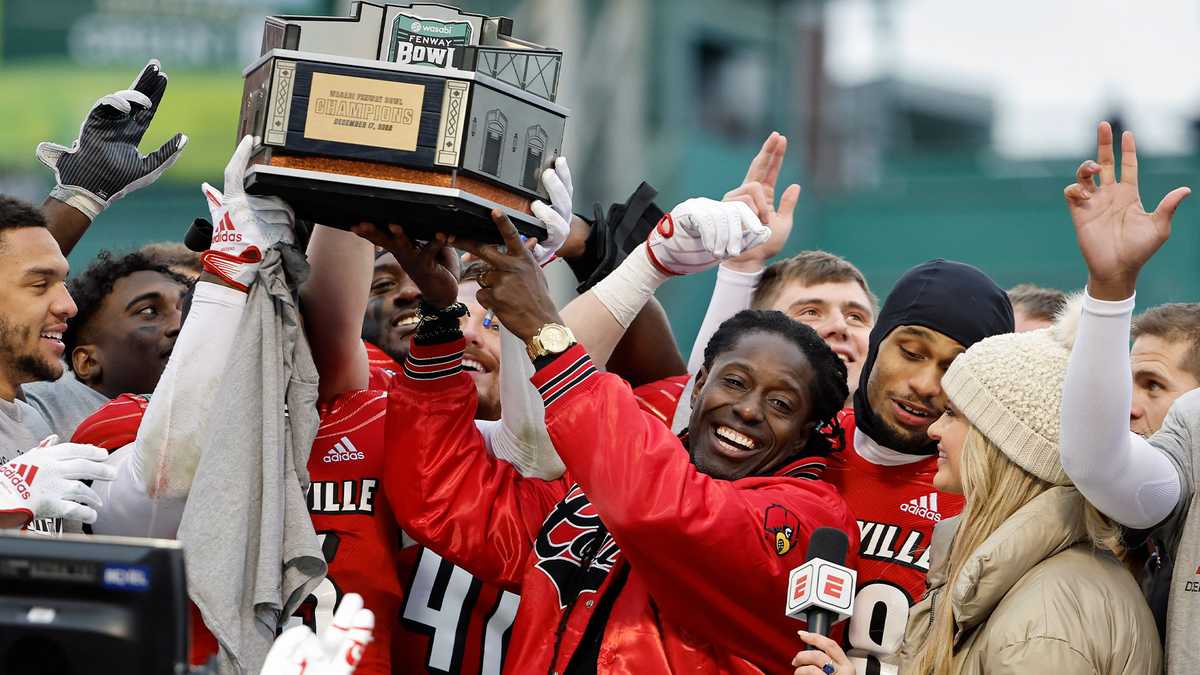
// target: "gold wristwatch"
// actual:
[[553, 338]]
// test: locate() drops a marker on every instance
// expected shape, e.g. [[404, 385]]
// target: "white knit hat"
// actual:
[[1010, 387]]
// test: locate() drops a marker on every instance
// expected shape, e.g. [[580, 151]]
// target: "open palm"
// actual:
[[1115, 233], [758, 190]]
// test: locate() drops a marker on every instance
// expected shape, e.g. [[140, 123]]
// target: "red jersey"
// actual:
[[377, 358], [661, 398], [635, 562], [896, 508], [430, 616]]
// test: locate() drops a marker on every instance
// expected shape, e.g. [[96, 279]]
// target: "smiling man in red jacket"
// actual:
[[653, 554]]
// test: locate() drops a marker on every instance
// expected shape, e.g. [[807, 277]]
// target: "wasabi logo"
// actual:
[[425, 42], [433, 27]]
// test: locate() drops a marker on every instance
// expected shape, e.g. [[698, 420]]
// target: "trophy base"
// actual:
[[343, 200]]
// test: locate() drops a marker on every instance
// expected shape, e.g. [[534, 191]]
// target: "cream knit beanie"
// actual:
[[1010, 387]]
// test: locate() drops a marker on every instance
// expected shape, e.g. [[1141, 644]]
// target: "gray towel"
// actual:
[[249, 547]]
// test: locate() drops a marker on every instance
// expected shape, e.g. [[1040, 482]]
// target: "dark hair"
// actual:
[[827, 391], [89, 289], [173, 254], [1037, 302], [1174, 322], [809, 268], [16, 214]]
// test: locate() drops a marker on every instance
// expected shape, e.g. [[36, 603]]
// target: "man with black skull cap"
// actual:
[[935, 312]]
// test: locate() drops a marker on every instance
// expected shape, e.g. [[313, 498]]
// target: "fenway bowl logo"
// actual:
[[572, 548]]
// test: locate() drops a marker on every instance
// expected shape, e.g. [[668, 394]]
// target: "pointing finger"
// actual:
[[508, 231]]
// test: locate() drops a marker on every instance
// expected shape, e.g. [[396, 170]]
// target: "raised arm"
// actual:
[[1119, 472], [104, 163], [449, 492], [334, 299], [738, 278]]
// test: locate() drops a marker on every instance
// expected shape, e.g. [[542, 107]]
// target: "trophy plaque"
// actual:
[[415, 114]]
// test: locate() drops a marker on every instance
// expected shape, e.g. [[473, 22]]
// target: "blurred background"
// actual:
[[917, 128]]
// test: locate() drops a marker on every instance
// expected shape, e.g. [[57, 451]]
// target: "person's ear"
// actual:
[[701, 376], [85, 362]]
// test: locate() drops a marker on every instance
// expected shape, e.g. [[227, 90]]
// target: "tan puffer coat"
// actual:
[[1037, 598]]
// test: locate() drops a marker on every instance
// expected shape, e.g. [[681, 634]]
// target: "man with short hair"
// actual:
[[1035, 307], [828, 293], [118, 343], [34, 309], [1166, 362]]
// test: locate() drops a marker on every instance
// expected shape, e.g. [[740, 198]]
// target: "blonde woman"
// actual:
[[1031, 582]]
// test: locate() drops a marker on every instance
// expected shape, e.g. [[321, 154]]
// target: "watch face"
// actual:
[[554, 338]]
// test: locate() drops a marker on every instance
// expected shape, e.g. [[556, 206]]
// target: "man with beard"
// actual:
[[34, 309], [885, 471], [118, 343]]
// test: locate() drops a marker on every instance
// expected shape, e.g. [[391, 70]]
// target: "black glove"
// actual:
[[104, 163], [614, 235]]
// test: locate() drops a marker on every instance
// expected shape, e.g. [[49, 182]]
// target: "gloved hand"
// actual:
[[336, 651], [700, 232], [557, 215], [104, 163], [244, 226], [47, 481]]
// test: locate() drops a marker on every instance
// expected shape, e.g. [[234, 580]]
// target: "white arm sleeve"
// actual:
[[168, 440], [520, 437], [731, 295], [1119, 472], [128, 511]]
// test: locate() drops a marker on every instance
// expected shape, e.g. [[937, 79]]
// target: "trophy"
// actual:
[[415, 114]]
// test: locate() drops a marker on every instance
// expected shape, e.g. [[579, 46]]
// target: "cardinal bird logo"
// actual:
[[781, 527]]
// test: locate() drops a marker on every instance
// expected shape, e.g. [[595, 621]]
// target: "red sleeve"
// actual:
[[447, 491], [115, 424], [704, 545]]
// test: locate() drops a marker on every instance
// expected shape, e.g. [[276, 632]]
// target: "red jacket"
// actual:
[[691, 571]]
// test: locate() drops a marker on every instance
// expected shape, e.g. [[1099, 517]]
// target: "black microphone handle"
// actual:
[[819, 622]]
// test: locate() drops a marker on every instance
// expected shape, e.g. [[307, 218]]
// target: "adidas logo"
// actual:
[[923, 507], [20, 476], [342, 451], [225, 231]]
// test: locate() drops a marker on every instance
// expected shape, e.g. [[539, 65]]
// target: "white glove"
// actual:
[[557, 216], [244, 226], [336, 651], [104, 163], [700, 233], [47, 481]]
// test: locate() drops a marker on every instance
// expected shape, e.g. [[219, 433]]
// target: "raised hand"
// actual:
[[244, 226], [104, 163], [700, 233], [557, 215], [433, 267], [512, 286], [1115, 233], [758, 190]]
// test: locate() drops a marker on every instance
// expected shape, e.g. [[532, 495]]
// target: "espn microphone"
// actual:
[[821, 591]]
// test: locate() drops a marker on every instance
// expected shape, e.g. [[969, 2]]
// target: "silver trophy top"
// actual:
[[423, 34]]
